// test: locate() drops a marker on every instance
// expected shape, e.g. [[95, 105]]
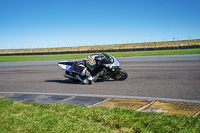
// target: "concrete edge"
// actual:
[[160, 105]]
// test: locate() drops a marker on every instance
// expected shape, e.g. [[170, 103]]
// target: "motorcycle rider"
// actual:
[[85, 67]]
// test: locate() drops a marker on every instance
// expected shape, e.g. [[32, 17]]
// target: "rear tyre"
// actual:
[[119, 75]]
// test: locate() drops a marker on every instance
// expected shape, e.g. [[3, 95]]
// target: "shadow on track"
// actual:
[[67, 81]]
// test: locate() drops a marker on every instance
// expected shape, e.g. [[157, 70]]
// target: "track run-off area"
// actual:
[[168, 84]]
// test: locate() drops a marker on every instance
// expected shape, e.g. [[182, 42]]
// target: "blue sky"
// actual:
[[64, 23]]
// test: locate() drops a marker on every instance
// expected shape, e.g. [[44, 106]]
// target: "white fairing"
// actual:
[[62, 65]]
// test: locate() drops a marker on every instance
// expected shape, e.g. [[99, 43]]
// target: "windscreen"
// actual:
[[107, 59]]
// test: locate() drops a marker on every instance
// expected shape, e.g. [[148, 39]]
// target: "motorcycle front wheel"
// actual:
[[119, 75]]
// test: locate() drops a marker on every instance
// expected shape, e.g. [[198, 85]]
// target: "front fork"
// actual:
[[108, 73]]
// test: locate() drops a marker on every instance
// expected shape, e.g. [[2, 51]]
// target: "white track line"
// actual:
[[110, 96]]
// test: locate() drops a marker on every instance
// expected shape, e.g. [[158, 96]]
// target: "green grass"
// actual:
[[19, 117], [83, 55]]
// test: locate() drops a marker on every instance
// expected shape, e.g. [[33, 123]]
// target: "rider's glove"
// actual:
[[87, 73]]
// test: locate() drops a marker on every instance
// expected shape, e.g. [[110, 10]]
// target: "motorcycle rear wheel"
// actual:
[[119, 75]]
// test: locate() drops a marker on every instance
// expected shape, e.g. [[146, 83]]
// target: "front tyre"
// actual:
[[119, 75]]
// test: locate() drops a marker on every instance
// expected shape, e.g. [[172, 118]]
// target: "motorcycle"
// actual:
[[108, 63]]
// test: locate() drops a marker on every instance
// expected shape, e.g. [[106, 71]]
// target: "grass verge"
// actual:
[[83, 55], [20, 117]]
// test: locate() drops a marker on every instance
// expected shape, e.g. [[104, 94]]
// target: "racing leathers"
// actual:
[[84, 71]]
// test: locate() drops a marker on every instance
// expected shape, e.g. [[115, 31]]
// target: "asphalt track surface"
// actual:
[[150, 77]]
